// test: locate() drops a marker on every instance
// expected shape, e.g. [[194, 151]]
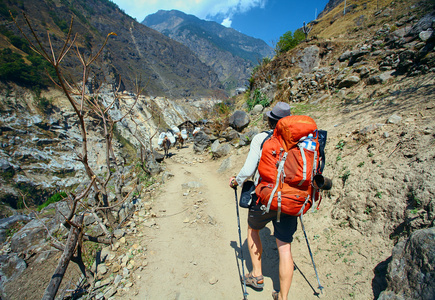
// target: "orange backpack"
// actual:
[[288, 163]]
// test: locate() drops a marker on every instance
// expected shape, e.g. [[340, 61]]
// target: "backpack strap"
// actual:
[[304, 168], [269, 134], [312, 176], [278, 177], [323, 134]]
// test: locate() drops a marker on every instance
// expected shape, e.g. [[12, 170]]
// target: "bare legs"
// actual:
[[285, 268], [285, 261], [255, 250]]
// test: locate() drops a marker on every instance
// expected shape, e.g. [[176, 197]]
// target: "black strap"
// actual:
[[269, 134], [322, 143]]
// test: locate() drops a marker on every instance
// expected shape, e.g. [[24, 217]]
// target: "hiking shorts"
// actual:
[[282, 230]]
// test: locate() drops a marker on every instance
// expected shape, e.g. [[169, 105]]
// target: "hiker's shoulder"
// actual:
[[258, 138], [262, 135]]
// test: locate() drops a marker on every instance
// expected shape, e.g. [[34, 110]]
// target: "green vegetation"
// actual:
[[14, 67], [345, 176], [8, 174], [223, 108], [44, 104], [264, 62], [414, 211], [340, 145], [89, 255], [413, 199], [257, 97], [53, 199], [289, 41], [61, 23], [146, 179], [301, 109], [4, 10]]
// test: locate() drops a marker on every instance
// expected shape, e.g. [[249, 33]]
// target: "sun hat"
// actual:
[[280, 110]]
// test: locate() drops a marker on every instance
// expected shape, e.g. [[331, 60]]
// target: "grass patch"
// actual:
[[53, 199], [301, 109]]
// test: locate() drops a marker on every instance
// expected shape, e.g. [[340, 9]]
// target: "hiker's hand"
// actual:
[[233, 182]]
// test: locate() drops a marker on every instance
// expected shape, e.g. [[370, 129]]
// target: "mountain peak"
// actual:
[[231, 54]]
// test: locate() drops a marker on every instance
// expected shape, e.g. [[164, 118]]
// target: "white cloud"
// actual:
[[226, 22], [139, 9]]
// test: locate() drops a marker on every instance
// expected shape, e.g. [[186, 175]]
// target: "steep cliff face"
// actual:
[[228, 52], [38, 146], [168, 67]]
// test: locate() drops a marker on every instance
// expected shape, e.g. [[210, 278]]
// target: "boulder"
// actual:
[[227, 164], [229, 134], [62, 211], [257, 109], [309, 59], [394, 119], [346, 55], [244, 140], [239, 120], [381, 78], [31, 236], [348, 82], [200, 142], [8, 222], [411, 273], [11, 266], [251, 133], [215, 146], [222, 150]]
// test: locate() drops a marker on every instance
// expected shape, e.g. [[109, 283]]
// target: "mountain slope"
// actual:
[[228, 52], [137, 51]]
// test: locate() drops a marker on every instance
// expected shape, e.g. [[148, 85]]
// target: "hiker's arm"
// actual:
[[252, 160]]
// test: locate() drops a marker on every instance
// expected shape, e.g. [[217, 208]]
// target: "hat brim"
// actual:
[[272, 117]]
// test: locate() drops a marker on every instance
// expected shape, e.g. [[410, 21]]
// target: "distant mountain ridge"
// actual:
[[231, 54], [167, 67]]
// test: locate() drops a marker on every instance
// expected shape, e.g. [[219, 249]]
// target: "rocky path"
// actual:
[[192, 241], [191, 248]]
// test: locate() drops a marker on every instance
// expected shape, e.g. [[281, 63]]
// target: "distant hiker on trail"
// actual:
[[166, 146], [257, 218]]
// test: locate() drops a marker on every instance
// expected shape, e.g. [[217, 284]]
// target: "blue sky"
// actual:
[[263, 19]]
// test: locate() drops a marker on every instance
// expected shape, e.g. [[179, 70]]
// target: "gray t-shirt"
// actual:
[[250, 167]]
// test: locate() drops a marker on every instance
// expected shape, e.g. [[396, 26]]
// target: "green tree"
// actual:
[[288, 41]]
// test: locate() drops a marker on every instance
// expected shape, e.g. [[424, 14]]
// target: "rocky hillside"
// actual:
[[367, 77], [37, 157], [231, 54], [135, 53], [380, 61]]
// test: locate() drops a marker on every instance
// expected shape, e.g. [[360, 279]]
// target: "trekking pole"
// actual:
[[312, 259], [245, 293], [297, 268]]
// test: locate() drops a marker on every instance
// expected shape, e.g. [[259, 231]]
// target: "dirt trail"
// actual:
[[192, 248]]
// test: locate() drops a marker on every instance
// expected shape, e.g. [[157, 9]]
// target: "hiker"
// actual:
[[180, 140], [257, 219], [166, 146]]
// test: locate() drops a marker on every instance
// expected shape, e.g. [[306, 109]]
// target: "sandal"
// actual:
[[275, 295], [255, 282]]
